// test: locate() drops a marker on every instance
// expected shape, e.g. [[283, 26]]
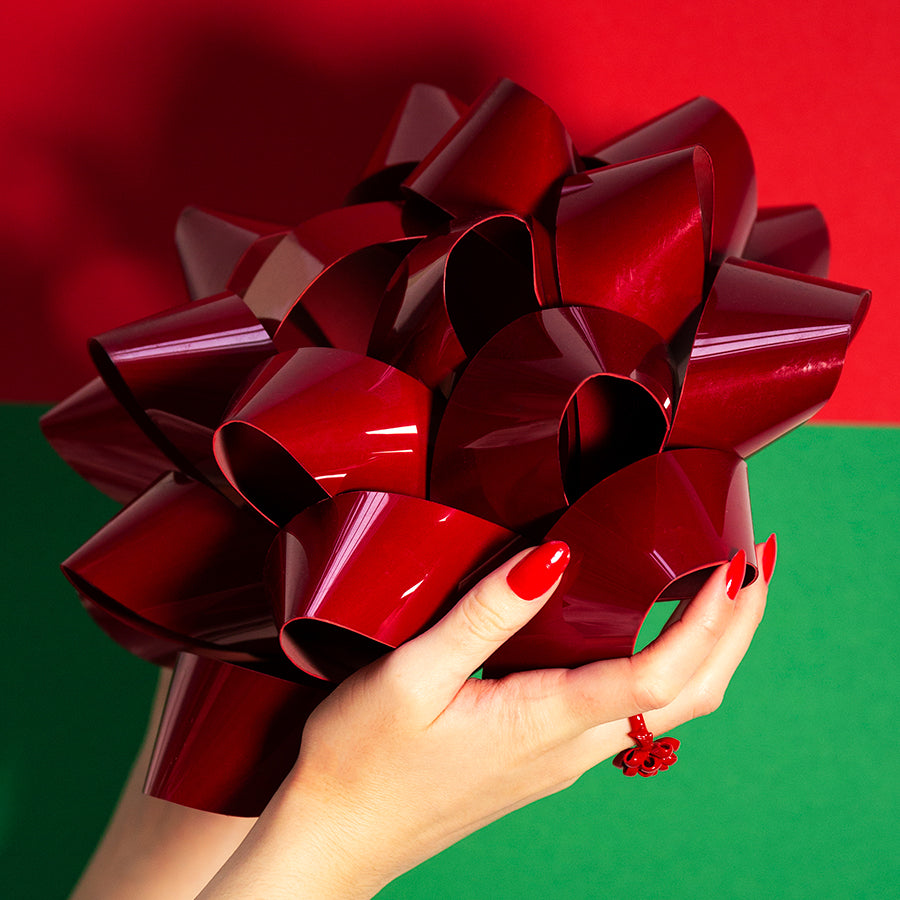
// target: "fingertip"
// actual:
[[539, 570], [734, 574], [726, 578], [769, 557]]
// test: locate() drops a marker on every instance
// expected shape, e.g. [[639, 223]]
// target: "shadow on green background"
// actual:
[[788, 791]]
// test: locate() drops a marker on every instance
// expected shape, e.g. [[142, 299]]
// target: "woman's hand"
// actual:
[[411, 754]]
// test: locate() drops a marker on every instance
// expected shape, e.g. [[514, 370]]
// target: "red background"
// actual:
[[114, 116]]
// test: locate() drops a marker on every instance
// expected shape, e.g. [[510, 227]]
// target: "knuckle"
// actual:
[[393, 681], [710, 626], [708, 700], [482, 618], [652, 691], [757, 611]]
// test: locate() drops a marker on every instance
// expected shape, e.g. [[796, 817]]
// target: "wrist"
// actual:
[[351, 838], [307, 845]]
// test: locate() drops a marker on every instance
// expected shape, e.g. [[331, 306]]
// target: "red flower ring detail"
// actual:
[[650, 756], [497, 340]]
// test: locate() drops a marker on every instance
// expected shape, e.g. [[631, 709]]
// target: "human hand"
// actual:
[[410, 754]]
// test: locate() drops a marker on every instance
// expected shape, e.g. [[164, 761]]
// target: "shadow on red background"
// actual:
[[223, 120]]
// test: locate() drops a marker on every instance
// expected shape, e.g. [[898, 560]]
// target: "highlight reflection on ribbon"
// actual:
[[497, 340]]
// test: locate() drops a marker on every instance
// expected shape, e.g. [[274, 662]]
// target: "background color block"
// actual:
[[116, 115], [788, 791]]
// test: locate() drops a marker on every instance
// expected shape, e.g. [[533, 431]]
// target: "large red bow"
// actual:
[[495, 341]]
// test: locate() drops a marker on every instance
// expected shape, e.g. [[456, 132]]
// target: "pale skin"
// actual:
[[410, 755]]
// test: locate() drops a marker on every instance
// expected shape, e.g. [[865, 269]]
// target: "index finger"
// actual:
[[443, 657], [617, 688]]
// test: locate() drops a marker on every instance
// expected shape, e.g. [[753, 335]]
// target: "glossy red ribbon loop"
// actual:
[[701, 121], [652, 217], [357, 575], [553, 403], [629, 546], [229, 735], [790, 237], [457, 289], [763, 330], [312, 249], [184, 566], [209, 344], [95, 435], [506, 152], [212, 246], [422, 119], [318, 422]]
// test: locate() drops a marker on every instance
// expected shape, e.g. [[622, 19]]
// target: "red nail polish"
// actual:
[[535, 574], [734, 577], [769, 555]]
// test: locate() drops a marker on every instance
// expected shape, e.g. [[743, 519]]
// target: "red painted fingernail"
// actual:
[[734, 577], [769, 555], [536, 573]]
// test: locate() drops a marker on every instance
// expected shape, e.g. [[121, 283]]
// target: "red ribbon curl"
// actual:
[[497, 340]]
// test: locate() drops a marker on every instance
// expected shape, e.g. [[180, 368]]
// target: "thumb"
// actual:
[[496, 608]]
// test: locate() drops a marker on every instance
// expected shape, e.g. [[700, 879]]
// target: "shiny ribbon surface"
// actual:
[[496, 341]]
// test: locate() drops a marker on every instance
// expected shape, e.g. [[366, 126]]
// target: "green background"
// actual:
[[790, 790]]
